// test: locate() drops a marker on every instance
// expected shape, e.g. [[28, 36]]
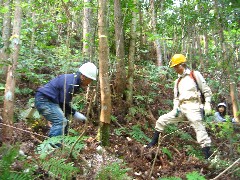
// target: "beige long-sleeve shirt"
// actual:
[[186, 89]]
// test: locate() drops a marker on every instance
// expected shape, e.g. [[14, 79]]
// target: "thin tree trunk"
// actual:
[[87, 30], [6, 32], [131, 58], [8, 109], [103, 73], [141, 30], [205, 40], [157, 41], [33, 32], [120, 53], [234, 98]]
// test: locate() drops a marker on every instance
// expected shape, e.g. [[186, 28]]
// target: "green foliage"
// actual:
[[193, 152], [23, 91], [167, 152], [170, 178], [223, 130], [113, 171], [45, 148], [138, 134], [113, 118], [220, 165], [73, 132], [2, 87], [185, 136], [79, 101], [194, 176], [170, 128], [162, 111], [59, 168], [136, 111], [189, 176], [10, 154], [120, 131]]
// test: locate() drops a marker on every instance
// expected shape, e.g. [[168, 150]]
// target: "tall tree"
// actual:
[[8, 109], [6, 32], [87, 30], [120, 53], [103, 133], [131, 57], [154, 28]]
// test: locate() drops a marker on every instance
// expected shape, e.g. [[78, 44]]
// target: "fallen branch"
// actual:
[[226, 170], [159, 142], [84, 129]]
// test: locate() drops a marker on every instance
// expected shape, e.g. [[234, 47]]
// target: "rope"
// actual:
[[23, 130]]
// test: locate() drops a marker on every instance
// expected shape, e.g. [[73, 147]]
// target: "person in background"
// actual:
[[53, 100], [220, 114], [187, 105]]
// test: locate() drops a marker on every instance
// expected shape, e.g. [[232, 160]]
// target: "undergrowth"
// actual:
[[9, 157], [113, 171], [189, 176]]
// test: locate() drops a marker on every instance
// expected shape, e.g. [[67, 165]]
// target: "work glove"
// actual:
[[79, 116], [207, 108]]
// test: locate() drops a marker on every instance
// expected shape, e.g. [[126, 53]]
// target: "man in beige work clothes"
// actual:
[[187, 104]]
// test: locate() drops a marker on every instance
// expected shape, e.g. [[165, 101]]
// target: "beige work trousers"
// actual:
[[190, 110]]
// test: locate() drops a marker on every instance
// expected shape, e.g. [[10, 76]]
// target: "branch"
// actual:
[[226, 170], [84, 129]]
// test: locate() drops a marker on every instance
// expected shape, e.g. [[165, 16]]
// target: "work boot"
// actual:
[[154, 139], [206, 152]]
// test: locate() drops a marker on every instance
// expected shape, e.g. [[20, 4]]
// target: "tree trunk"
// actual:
[[8, 109], [131, 58], [87, 31], [157, 41], [120, 53], [103, 72], [6, 32], [140, 21], [33, 32], [234, 99]]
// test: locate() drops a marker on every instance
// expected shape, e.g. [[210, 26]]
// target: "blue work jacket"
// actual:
[[61, 89]]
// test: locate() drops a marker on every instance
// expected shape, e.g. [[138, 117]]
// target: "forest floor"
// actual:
[[173, 158], [131, 154]]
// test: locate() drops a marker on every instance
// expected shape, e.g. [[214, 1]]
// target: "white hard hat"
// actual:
[[222, 104], [89, 70]]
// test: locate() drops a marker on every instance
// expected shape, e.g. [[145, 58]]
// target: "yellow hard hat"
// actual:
[[177, 59]]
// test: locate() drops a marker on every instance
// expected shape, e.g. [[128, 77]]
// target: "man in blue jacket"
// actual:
[[53, 100]]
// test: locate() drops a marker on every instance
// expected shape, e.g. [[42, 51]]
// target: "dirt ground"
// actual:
[[143, 163]]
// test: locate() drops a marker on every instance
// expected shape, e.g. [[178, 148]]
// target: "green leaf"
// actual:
[[194, 176]]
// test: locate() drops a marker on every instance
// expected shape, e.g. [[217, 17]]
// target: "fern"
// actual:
[[167, 152], [120, 131], [9, 156], [58, 168], [185, 136], [193, 152], [138, 134], [194, 176], [114, 172], [170, 178], [45, 147], [170, 128], [15, 176]]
